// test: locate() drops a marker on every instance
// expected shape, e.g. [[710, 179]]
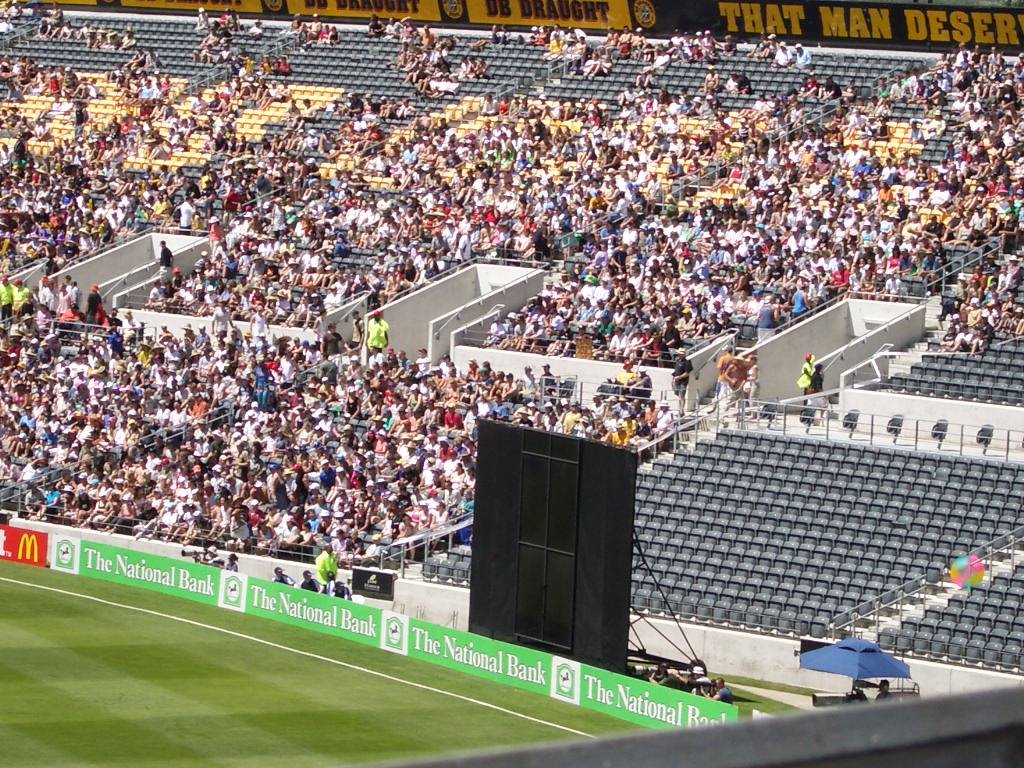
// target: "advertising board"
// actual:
[[616, 695]]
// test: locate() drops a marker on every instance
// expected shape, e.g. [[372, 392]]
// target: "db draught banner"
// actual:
[[585, 14], [626, 698], [22, 546]]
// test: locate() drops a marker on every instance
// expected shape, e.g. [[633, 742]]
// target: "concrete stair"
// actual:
[[931, 596], [933, 333]]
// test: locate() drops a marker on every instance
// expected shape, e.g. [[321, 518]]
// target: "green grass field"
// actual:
[[88, 683]]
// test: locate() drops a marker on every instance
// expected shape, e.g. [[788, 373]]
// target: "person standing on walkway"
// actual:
[[767, 318], [6, 299], [166, 258], [806, 372], [377, 332], [681, 378]]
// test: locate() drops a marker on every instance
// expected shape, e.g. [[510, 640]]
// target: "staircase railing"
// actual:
[[399, 552], [912, 588]]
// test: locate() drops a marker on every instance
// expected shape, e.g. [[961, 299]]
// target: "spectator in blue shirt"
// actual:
[[328, 475], [722, 692]]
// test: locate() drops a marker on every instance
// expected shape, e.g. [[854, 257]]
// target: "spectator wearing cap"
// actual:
[[699, 683], [309, 582], [94, 312], [806, 372], [280, 577], [802, 59], [767, 317], [342, 590], [681, 378]]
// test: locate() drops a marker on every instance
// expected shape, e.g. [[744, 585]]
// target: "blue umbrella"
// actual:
[[857, 659]]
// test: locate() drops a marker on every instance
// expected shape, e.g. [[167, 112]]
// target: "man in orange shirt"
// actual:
[[200, 409], [725, 365]]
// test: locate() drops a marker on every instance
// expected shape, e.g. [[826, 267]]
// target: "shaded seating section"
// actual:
[[785, 534], [764, 80], [365, 65], [452, 566], [995, 376], [172, 41]]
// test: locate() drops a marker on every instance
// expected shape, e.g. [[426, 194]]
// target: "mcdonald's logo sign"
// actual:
[[22, 546]]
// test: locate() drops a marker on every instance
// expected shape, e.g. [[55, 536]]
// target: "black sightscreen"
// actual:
[[529, 620], [533, 516], [552, 543], [492, 600], [546, 581]]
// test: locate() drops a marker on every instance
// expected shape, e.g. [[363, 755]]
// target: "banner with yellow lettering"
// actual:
[[890, 25], [868, 23], [585, 14], [417, 10]]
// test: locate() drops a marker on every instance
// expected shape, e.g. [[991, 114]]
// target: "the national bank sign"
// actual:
[[874, 22]]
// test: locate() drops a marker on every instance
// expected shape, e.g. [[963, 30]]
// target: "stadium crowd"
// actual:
[[224, 440], [218, 438]]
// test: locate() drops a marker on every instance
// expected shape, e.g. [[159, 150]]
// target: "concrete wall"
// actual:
[[473, 329], [506, 297], [871, 333], [928, 409], [727, 652], [409, 317], [869, 324], [589, 374], [342, 316], [140, 279], [176, 324], [118, 261]]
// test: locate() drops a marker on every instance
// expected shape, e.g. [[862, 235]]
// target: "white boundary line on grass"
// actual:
[[299, 652]]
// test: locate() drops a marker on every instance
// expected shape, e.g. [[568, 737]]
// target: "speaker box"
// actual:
[[552, 543]]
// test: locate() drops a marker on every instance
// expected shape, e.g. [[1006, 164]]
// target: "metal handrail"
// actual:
[[1005, 445], [11, 42], [679, 425], [401, 549], [915, 586]]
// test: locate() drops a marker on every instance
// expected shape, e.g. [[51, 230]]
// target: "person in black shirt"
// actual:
[[681, 378], [541, 246], [309, 582], [331, 343], [280, 577], [166, 257], [670, 337]]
